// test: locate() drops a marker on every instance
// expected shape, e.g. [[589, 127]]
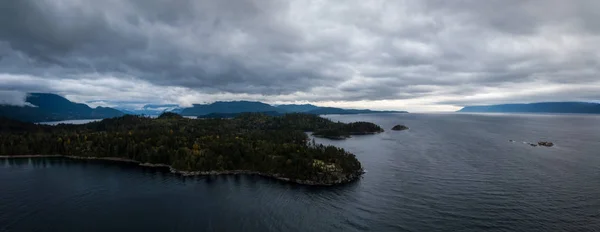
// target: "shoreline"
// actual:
[[344, 137], [28, 156], [352, 178]]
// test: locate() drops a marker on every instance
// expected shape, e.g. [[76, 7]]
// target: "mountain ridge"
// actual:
[[230, 108], [53, 107], [300, 108], [334, 110]]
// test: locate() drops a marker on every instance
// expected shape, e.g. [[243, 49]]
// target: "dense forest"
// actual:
[[271, 145]]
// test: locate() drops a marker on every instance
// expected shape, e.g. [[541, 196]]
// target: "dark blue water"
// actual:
[[449, 172]]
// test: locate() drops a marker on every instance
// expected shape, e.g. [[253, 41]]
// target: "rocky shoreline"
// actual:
[[345, 179], [343, 137], [538, 144]]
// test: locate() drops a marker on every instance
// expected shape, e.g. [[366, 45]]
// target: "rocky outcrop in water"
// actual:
[[538, 144], [545, 144], [399, 127]]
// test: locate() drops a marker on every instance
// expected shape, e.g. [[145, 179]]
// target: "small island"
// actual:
[[399, 128], [250, 143], [540, 143], [545, 144]]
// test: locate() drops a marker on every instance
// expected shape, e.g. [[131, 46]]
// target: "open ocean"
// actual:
[[449, 172]]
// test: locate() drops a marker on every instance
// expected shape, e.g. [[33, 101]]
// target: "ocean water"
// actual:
[[75, 122], [84, 121], [448, 172]]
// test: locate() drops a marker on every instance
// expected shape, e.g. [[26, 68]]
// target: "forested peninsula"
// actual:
[[250, 143]]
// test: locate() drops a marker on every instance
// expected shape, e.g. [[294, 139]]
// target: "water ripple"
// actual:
[[448, 173]]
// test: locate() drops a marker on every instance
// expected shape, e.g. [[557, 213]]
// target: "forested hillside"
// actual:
[[276, 146]]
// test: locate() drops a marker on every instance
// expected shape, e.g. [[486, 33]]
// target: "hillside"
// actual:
[[52, 107], [293, 108], [541, 107], [231, 107]]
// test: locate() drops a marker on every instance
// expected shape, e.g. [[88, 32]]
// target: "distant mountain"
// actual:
[[293, 108], [333, 110], [52, 107], [153, 109], [229, 107], [233, 115], [159, 106], [542, 107], [104, 112]]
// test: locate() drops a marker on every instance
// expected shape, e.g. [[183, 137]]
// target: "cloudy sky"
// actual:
[[416, 55]]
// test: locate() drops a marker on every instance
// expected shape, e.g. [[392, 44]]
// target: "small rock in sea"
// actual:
[[533, 144], [545, 144], [399, 128], [512, 141]]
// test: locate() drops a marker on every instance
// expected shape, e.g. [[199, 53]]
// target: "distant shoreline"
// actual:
[[537, 107], [354, 177]]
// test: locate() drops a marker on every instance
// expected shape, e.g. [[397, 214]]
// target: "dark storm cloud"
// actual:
[[189, 43], [426, 52]]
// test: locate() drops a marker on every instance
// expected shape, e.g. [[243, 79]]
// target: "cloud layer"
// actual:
[[410, 54]]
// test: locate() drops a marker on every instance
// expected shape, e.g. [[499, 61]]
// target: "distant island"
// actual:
[[44, 107], [229, 109], [542, 107], [250, 143], [318, 111], [333, 110]]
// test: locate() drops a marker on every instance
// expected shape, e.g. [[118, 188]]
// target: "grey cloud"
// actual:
[[13, 98], [317, 51], [584, 94], [146, 41]]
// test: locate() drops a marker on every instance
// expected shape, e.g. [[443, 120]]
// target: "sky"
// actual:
[[415, 55]]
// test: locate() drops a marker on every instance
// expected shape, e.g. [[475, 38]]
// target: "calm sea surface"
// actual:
[[449, 172], [75, 121], [84, 121]]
